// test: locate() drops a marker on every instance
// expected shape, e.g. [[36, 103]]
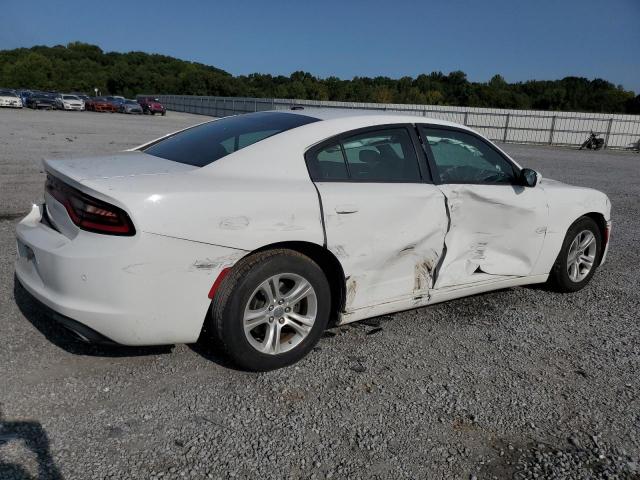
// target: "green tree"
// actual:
[[81, 66]]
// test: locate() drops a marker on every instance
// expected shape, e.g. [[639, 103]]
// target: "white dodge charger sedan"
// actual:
[[260, 229]]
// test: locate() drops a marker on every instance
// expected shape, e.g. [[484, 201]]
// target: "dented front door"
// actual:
[[494, 229], [496, 226]]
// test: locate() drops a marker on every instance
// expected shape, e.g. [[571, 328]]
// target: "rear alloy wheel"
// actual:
[[271, 309], [280, 314], [579, 256]]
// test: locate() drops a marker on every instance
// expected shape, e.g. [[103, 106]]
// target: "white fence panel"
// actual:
[[516, 126]]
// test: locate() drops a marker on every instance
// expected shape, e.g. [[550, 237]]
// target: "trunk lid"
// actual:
[[122, 164], [78, 172]]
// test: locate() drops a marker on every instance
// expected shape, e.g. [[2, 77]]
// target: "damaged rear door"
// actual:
[[384, 219], [497, 226]]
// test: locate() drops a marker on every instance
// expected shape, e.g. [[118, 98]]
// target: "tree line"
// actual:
[[81, 67]]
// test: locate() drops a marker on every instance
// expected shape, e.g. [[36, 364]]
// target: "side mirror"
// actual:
[[530, 178]]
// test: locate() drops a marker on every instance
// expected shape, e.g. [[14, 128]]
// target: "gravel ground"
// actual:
[[519, 383]]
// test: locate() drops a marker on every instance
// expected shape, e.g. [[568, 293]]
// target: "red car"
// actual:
[[151, 105], [100, 104]]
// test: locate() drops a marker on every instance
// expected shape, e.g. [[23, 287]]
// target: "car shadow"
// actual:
[[41, 317], [34, 438], [209, 349]]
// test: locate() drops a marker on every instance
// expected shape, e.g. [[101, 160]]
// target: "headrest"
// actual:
[[369, 156]]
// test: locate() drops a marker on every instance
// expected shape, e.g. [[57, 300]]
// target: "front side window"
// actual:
[[375, 156], [464, 158], [204, 144]]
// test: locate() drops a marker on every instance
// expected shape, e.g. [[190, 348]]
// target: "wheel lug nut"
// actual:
[[270, 319], [281, 320], [280, 302], [270, 307], [287, 309]]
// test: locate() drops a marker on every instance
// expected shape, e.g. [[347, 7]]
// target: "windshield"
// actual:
[[204, 144], [70, 97], [7, 93], [131, 102]]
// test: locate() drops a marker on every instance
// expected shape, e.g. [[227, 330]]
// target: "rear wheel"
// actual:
[[271, 309], [578, 259]]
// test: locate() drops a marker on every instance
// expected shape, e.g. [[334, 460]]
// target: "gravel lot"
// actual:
[[520, 383]]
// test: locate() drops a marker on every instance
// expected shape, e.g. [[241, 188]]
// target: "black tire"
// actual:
[[559, 277], [227, 310]]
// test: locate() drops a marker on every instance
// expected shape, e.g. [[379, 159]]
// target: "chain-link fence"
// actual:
[[515, 126]]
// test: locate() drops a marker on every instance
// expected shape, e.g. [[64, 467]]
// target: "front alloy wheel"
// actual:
[[578, 259], [581, 256]]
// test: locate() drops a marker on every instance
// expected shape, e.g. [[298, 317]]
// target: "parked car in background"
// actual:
[[41, 100], [80, 95], [70, 102], [151, 105], [115, 101], [24, 95], [263, 227], [100, 104], [130, 106], [9, 98]]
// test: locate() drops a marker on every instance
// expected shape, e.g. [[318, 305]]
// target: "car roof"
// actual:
[[382, 116]]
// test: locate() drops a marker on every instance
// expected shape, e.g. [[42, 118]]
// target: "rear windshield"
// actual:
[[204, 144]]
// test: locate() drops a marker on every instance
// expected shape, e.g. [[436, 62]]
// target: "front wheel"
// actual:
[[271, 309], [578, 259]]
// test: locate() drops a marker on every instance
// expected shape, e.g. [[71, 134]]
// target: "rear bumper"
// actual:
[[142, 290]]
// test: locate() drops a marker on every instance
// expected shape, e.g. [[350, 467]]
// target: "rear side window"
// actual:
[[375, 156], [327, 164], [204, 144]]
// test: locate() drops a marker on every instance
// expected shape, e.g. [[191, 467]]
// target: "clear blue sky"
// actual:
[[519, 39]]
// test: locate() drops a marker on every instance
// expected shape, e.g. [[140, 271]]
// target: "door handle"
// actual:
[[346, 208]]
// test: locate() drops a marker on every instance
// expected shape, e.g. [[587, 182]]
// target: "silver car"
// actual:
[[66, 101], [130, 106]]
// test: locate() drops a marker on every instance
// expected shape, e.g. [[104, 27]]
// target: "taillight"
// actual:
[[89, 213]]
